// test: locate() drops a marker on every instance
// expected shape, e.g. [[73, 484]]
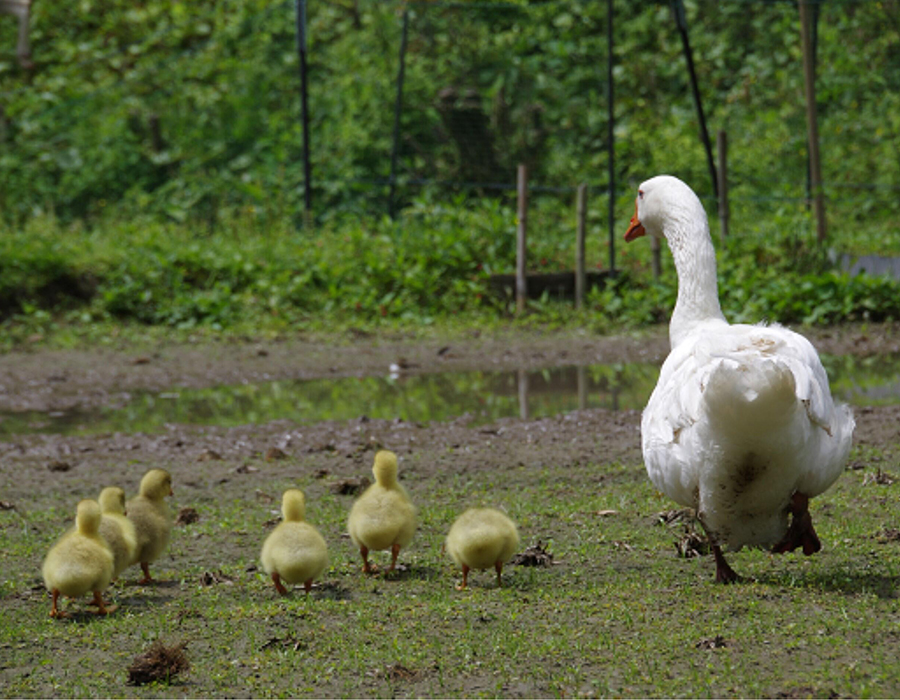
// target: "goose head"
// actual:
[[293, 505], [156, 484], [112, 500], [665, 207]]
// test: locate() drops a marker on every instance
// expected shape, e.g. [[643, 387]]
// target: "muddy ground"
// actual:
[[211, 464], [59, 380]]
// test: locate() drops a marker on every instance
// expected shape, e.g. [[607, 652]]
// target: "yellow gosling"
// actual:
[[152, 519], [294, 551], [383, 517], [80, 562], [116, 529], [482, 538]]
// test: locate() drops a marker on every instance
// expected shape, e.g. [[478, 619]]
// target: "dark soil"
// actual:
[[339, 453]]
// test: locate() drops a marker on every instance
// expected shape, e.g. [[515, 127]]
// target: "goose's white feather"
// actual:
[[742, 416]]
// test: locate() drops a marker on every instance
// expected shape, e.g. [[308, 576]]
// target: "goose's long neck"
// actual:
[[687, 232]]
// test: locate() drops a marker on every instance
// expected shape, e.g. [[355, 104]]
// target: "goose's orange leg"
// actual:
[[462, 585], [367, 567], [279, 586], [395, 552], [102, 608], [145, 567], [498, 565], [54, 610]]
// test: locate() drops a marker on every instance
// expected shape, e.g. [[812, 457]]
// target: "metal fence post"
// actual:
[[681, 23], [611, 135], [300, 8], [398, 106]]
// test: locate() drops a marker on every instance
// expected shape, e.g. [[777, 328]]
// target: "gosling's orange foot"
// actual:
[[106, 610], [279, 586], [367, 567], [55, 612], [145, 567], [395, 552], [461, 586], [102, 608]]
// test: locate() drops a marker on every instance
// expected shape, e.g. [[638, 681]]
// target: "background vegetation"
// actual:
[[152, 160]]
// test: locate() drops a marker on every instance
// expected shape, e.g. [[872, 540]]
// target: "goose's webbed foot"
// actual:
[[801, 532]]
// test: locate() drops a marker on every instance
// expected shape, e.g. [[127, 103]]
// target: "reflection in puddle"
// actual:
[[482, 396]]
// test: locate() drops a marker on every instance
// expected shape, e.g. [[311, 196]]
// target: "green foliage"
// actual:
[[432, 264], [189, 111]]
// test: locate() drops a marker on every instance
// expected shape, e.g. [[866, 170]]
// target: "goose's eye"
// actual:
[[640, 194]]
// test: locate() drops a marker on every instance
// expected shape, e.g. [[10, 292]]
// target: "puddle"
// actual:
[[483, 396]]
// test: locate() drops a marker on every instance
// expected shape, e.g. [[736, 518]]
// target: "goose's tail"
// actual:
[[751, 398]]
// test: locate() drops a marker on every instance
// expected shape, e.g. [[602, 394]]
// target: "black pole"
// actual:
[[610, 136], [398, 106], [681, 22], [304, 107], [815, 47]]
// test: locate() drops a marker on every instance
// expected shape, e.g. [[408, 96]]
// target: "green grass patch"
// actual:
[[77, 285], [618, 615]]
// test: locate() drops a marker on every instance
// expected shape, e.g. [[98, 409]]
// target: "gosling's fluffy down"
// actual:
[[152, 518], [482, 538], [383, 517], [80, 562], [116, 529], [294, 551]]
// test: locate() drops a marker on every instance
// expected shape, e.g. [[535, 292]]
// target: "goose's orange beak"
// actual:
[[635, 227]]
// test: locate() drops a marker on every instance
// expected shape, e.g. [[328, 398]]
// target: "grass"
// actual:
[[619, 615], [80, 284]]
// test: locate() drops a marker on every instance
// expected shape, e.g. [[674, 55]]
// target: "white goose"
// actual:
[[741, 425]]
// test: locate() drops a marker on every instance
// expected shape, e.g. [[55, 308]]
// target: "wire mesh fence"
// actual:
[[200, 117]]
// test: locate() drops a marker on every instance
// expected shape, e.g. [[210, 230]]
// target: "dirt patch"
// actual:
[[535, 555], [159, 663], [45, 380], [57, 380]]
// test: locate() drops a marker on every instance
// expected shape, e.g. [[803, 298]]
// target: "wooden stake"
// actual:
[[521, 235], [812, 124], [581, 214], [722, 151]]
